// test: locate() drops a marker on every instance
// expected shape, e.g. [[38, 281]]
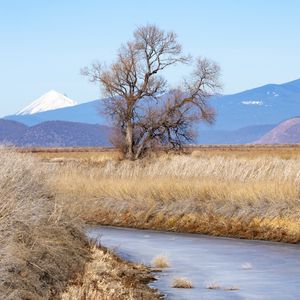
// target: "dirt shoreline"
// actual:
[[202, 224], [107, 276]]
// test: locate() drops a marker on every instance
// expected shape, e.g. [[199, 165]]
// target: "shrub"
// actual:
[[182, 283]]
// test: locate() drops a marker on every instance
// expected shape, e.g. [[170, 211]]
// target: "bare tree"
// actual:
[[144, 113]]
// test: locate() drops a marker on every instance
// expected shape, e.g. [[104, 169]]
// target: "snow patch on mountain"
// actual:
[[49, 101], [252, 102], [272, 94]]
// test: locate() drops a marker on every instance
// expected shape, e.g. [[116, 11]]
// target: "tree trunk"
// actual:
[[141, 147], [139, 151], [129, 141]]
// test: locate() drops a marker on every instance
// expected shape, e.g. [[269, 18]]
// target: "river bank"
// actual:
[[43, 205], [250, 197], [44, 253], [107, 276]]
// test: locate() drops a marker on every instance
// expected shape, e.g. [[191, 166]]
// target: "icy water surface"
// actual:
[[261, 270]]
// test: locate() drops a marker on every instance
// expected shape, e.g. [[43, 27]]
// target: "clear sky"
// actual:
[[44, 43]]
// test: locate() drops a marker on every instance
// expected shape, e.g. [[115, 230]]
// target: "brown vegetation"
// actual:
[[98, 154], [42, 248], [212, 285], [107, 277], [182, 283], [161, 261], [232, 288], [248, 196], [240, 192]]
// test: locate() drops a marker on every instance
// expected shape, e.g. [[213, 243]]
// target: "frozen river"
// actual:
[[261, 270]]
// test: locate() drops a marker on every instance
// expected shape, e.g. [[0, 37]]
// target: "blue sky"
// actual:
[[43, 43]]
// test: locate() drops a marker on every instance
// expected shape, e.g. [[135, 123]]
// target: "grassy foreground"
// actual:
[[44, 253], [246, 194], [243, 192]]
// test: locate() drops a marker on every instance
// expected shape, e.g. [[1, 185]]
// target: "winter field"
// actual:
[[249, 192], [48, 194]]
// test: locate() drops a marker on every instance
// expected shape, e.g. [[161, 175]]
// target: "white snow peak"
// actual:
[[252, 102], [49, 101]]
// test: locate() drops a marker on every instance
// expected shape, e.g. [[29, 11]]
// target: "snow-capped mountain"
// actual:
[[269, 104], [49, 101], [241, 118]]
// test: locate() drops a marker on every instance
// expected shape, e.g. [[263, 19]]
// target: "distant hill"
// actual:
[[75, 134], [11, 131], [54, 134], [243, 135], [287, 132]]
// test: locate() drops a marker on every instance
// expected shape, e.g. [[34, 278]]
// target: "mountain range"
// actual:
[[269, 104], [244, 117], [54, 134]]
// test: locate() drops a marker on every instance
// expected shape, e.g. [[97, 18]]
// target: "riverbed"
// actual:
[[254, 269]]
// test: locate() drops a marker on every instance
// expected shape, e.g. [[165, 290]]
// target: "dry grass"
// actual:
[[212, 285], [232, 288], [42, 248], [161, 262], [248, 151], [255, 198], [107, 277], [100, 154], [182, 283], [248, 195], [88, 157], [94, 155]]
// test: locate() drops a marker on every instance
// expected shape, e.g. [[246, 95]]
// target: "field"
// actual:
[[239, 191], [100, 154], [44, 253], [47, 195]]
